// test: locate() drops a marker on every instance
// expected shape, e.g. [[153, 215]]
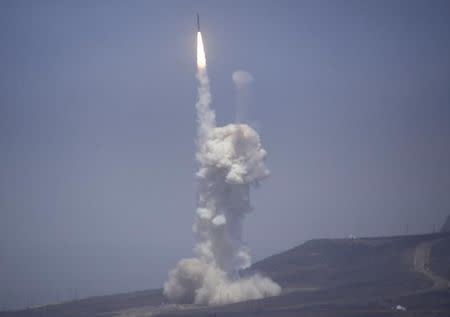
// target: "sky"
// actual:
[[97, 128]]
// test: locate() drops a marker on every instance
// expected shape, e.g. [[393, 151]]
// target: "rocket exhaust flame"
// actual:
[[231, 160], [201, 58]]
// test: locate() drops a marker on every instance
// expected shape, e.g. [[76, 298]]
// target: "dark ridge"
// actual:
[[322, 277]]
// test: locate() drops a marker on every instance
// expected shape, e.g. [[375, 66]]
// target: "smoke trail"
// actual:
[[242, 80], [231, 159]]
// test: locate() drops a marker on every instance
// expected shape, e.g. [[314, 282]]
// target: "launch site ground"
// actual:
[[381, 276]]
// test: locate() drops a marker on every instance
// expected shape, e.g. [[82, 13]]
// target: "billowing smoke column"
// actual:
[[231, 159]]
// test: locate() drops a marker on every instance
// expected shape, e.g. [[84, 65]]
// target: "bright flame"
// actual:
[[201, 58]]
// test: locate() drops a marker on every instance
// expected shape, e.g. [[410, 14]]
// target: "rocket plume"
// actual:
[[201, 58], [231, 159]]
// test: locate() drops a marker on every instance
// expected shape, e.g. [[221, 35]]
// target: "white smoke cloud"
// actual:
[[231, 160], [242, 77], [196, 281], [235, 152], [242, 80]]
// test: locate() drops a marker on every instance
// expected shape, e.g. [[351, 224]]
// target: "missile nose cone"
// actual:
[[198, 23]]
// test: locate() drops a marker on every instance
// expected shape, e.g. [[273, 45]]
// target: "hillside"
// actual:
[[326, 277], [446, 225]]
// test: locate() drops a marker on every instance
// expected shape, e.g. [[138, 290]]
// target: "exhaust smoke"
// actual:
[[242, 80], [231, 160]]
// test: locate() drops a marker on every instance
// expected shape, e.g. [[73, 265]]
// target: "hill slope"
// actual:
[[339, 277]]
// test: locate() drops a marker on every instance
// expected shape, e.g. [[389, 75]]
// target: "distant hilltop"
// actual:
[[446, 226]]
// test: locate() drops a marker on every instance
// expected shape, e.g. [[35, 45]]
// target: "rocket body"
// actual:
[[198, 23]]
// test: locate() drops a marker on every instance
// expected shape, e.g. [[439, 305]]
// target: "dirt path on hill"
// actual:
[[421, 263]]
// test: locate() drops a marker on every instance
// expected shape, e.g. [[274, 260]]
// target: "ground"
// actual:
[[326, 277]]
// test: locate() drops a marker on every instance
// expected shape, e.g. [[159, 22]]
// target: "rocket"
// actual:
[[198, 23]]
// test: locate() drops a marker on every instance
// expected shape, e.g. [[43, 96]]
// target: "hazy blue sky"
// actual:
[[97, 127]]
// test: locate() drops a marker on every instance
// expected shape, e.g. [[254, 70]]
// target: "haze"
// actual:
[[97, 128]]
